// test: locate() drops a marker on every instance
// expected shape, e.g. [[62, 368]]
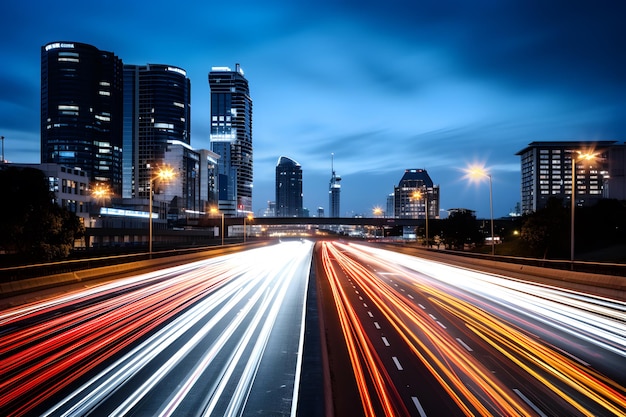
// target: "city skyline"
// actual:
[[383, 87]]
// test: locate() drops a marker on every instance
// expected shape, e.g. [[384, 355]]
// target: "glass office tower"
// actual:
[[81, 111], [415, 194], [231, 138], [157, 117], [288, 188]]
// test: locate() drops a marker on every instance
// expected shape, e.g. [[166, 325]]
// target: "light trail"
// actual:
[[481, 302], [221, 311]]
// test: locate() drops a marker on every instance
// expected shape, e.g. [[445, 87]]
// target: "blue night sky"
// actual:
[[385, 86]]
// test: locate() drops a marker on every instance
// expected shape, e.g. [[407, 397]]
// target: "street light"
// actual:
[[418, 195], [249, 217], [215, 210], [583, 156], [474, 173], [163, 174], [378, 211]]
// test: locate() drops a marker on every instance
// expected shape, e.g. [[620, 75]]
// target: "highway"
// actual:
[[218, 337], [422, 338]]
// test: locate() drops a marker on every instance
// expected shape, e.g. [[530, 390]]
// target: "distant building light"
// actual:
[[56, 45], [127, 213], [221, 69], [178, 70]]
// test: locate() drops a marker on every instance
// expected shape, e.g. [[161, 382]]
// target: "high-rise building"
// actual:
[[416, 195], [288, 188], [547, 173], [81, 111], [157, 120], [334, 191], [231, 138]]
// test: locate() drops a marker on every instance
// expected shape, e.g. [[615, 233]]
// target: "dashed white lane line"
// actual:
[[364, 305], [441, 324], [418, 406], [432, 317], [377, 325], [422, 306], [369, 313], [385, 341], [411, 297], [530, 403], [397, 362], [469, 349]]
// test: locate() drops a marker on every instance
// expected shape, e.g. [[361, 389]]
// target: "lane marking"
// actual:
[[402, 289], [419, 407], [385, 341], [441, 324], [422, 307], [360, 298], [377, 325], [397, 362], [364, 305], [411, 297], [530, 403], [369, 313], [576, 358], [432, 317], [469, 349]]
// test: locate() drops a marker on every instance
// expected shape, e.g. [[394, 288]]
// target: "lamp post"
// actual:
[[249, 217], [163, 174], [474, 173], [215, 210], [418, 195], [378, 211], [587, 157]]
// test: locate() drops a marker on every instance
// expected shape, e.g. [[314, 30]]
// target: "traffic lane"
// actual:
[[420, 391], [592, 391], [201, 281]]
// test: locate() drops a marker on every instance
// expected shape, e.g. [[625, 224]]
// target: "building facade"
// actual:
[[81, 111], [157, 120], [231, 138], [547, 173], [288, 188], [415, 196]]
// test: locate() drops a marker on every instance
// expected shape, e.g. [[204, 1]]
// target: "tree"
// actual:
[[31, 224], [547, 230], [460, 228]]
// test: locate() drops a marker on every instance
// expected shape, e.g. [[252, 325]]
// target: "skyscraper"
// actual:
[[288, 188], [231, 138], [81, 110], [157, 120], [415, 194], [334, 190], [547, 173]]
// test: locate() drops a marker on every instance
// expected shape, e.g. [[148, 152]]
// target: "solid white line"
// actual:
[[369, 313], [469, 349], [377, 325], [385, 341], [419, 407], [530, 403], [397, 362]]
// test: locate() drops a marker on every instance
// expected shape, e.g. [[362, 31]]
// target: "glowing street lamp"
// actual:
[[163, 174], [214, 211], [249, 217], [418, 195], [585, 157], [475, 173]]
